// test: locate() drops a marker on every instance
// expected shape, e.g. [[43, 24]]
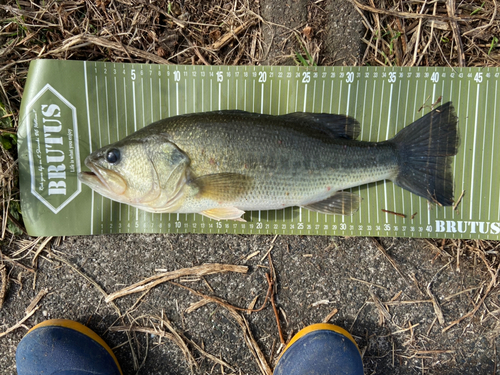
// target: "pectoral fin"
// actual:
[[226, 213], [341, 203], [223, 187]]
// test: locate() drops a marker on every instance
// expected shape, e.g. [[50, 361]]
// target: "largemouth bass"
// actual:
[[221, 164]]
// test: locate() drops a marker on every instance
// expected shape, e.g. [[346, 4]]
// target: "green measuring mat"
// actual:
[[71, 108]]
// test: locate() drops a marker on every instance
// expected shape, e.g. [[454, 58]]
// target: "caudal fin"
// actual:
[[425, 149]]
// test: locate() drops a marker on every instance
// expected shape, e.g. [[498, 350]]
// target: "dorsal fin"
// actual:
[[331, 125], [336, 126]]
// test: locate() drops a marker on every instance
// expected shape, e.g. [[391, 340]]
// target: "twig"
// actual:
[[250, 256], [30, 246], [495, 351], [267, 253], [450, 6], [330, 315], [42, 293], [8, 259], [99, 41], [16, 223], [493, 16], [19, 323], [435, 302], [367, 283], [220, 301], [410, 328], [208, 355], [458, 200], [427, 352], [440, 251], [270, 281], [430, 327], [251, 343], [422, 54], [252, 304], [178, 22], [382, 250], [398, 303], [481, 301], [170, 336], [417, 35], [150, 282], [197, 305], [357, 314], [226, 38], [378, 33], [320, 302], [249, 340], [384, 314], [408, 14], [180, 342], [39, 250], [89, 279], [3, 281], [365, 21], [195, 49], [447, 298], [394, 213]]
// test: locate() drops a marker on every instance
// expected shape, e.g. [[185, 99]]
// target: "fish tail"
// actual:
[[425, 151]]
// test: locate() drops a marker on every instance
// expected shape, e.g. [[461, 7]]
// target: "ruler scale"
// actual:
[[106, 101]]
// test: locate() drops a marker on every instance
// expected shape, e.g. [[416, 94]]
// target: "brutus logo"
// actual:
[[53, 149], [451, 226]]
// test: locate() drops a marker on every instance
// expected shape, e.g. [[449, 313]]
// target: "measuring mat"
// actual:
[[72, 108]]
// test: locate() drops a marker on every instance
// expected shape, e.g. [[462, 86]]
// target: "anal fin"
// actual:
[[224, 213], [340, 203]]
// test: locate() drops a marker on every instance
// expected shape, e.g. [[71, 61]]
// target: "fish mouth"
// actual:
[[91, 179], [104, 181]]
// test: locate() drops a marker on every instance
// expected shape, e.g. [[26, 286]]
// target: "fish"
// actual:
[[223, 163]]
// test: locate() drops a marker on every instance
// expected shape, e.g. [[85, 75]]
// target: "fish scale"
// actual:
[[288, 166], [223, 163]]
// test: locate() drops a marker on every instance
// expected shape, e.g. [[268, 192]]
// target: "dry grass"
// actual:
[[431, 33]]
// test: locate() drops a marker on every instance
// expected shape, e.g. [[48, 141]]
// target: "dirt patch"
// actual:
[[285, 20], [344, 30], [326, 32]]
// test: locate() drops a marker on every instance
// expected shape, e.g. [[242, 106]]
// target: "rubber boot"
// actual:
[[64, 347], [321, 349]]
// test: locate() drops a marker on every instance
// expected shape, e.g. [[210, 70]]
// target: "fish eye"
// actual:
[[113, 156]]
